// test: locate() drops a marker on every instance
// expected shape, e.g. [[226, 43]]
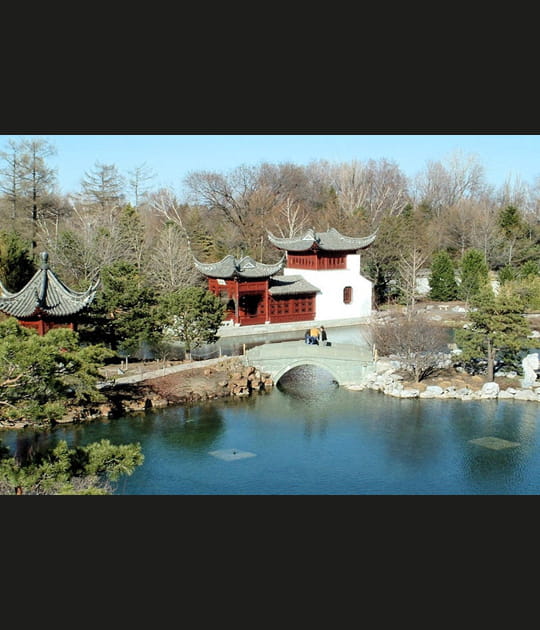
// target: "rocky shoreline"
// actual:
[[388, 380], [193, 385], [230, 377]]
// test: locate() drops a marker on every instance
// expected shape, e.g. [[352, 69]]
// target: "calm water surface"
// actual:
[[308, 436]]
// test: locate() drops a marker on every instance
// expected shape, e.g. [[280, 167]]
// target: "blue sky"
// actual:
[[172, 157]]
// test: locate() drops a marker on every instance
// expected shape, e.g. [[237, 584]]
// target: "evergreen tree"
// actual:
[[474, 274], [498, 329], [191, 315], [507, 274], [131, 235], [512, 230], [62, 470], [530, 269], [527, 288], [518, 238], [16, 263], [121, 314], [442, 281], [40, 375], [380, 260]]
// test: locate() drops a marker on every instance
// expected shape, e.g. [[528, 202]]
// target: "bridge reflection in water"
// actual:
[[348, 364]]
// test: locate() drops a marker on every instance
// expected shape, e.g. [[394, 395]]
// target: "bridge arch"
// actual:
[[347, 364], [304, 361]]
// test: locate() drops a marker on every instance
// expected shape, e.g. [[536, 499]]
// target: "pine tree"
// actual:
[[40, 375], [63, 470], [497, 328], [442, 282], [121, 314], [191, 315], [474, 274], [16, 264]]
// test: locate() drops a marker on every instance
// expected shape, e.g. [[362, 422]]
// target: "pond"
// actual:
[[308, 436]]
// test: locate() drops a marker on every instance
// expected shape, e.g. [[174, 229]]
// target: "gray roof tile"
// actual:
[[291, 285], [331, 240], [230, 267], [45, 295]]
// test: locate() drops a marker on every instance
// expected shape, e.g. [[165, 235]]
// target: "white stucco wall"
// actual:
[[329, 303]]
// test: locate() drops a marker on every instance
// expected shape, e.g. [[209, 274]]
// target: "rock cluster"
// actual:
[[387, 380], [197, 385], [248, 380]]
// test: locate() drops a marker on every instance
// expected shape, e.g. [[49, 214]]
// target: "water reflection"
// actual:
[[309, 393], [193, 428], [410, 434], [309, 436], [498, 440]]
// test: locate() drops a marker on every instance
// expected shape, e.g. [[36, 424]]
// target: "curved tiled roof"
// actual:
[[331, 241], [291, 285], [45, 296], [231, 267]]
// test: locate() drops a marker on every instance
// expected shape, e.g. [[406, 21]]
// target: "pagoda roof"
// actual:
[[231, 267], [330, 241], [45, 296], [291, 285]]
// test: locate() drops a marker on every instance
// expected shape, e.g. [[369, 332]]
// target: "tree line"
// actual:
[[115, 217], [140, 240]]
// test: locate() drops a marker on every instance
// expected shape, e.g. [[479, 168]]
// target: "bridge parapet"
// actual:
[[348, 364]]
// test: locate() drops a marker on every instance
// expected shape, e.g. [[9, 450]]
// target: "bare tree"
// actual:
[[377, 187], [243, 199], [418, 344], [138, 178], [27, 180], [515, 192], [455, 230], [409, 266], [39, 176], [534, 206], [444, 183], [170, 266], [292, 219], [226, 196], [92, 240], [165, 203], [12, 175], [484, 231], [103, 186]]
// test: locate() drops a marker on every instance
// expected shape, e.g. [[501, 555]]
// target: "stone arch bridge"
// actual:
[[348, 364]]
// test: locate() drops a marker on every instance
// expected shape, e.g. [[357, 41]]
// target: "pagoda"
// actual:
[[318, 277], [331, 261], [46, 302], [250, 292]]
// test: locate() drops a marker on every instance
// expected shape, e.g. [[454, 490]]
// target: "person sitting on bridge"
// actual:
[[323, 336]]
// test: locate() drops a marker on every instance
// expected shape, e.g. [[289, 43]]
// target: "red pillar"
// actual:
[[236, 303]]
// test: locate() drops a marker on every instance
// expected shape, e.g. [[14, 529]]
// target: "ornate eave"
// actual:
[[45, 296], [331, 241], [244, 268]]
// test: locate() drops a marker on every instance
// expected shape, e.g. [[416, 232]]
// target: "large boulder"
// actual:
[[432, 391], [530, 364], [490, 390]]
